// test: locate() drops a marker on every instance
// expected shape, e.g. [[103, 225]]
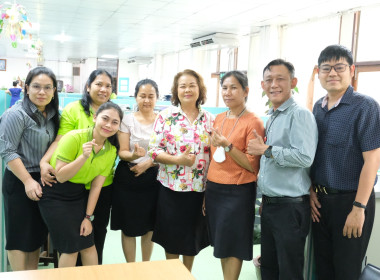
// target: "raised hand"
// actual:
[[217, 139], [186, 158], [138, 151], [87, 148], [256, 146]]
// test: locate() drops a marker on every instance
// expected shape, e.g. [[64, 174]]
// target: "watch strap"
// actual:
[[358, 204], [89, 217], [268, 152], [228, 148]]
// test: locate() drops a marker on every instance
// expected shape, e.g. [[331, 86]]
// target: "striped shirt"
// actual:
[[21, 137]]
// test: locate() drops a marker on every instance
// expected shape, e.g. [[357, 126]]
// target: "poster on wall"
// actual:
[[123, 85]]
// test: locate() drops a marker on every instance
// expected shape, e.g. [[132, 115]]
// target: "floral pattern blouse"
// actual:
[[172, 134]]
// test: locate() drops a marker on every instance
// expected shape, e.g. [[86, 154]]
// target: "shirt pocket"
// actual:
[[337, 133]]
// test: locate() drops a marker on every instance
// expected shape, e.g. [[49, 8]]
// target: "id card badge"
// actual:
[[188, 138], [188, 135]]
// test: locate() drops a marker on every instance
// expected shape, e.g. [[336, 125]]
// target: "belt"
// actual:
[[319, 189], [285, 199]]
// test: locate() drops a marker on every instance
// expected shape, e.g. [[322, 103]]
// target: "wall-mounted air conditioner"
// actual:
[[75, 60], [216, 39], [140, 59]]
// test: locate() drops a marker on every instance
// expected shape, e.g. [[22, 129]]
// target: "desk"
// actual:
[[155, 270]]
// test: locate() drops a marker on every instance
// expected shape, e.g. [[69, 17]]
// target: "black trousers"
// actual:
[[284, 228], [100, 222], [336, 256]]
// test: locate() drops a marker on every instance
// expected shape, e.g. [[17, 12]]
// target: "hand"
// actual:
[[314, 205], [138, 151], [204, 206], [32, 189], [217, 139], [87, 148], [85, 227], [354, 223], [186, 158], [47, 174], [256, 147], [141, 167]]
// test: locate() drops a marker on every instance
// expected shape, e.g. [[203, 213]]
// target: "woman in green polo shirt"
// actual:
[[83, 157], [78, 115]]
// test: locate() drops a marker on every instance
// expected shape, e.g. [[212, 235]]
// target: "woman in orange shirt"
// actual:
[[231, 186]]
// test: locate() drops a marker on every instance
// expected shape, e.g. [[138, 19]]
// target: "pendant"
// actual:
[[219, 155]]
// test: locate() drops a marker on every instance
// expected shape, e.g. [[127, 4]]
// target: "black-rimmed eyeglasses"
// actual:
[[339, 68]]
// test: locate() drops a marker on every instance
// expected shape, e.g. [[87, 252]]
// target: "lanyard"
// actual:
[[227, 115], [270, 125]]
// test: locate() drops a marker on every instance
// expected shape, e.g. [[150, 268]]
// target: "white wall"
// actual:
[[20, 67], [16, 67], [131, 71]]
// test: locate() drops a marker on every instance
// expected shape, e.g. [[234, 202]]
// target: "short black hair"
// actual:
[[335, 52], [240, 76], [15, 83], [280, 61]]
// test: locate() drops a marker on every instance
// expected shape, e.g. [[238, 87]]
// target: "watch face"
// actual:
[[268, 152]]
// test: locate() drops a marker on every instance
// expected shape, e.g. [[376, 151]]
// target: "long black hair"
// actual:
[[54, 103], [110, 105], [86, 99]]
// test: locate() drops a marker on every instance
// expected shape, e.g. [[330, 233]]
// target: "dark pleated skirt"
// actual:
[[24, 226], [134, 200], [230, 212], [63, 208], [180, 226]]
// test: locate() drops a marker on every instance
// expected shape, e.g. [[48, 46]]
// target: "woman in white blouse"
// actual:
[[135, 185]]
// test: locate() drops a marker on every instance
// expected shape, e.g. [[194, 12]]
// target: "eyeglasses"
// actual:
[[339, 68], [101, 85], [37, 88]]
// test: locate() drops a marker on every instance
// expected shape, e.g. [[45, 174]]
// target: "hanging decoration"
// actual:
[[40, 55], [14, 22]]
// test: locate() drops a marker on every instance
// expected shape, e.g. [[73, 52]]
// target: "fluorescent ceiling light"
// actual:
[[62, 37]]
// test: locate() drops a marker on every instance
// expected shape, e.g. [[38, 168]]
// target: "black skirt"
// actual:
[[230, 212], [63, 208], [180, 226], [24, 227], [134, 200]]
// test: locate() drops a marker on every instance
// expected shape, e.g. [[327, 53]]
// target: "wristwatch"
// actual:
[[358, 204], [228, 148], [90, 217], [268, 152]]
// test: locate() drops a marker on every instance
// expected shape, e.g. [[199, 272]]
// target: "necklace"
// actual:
[[220, 154], [227, 115]]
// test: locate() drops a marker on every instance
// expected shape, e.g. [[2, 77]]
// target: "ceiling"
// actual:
[[126, 28]]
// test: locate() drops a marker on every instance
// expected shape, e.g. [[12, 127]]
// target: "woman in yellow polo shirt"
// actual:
[[83, 157], [78, 115]]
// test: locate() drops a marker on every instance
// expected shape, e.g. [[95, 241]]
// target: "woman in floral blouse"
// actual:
[[180, 144]]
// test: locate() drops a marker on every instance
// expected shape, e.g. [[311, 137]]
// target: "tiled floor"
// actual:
[[206, 267]]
